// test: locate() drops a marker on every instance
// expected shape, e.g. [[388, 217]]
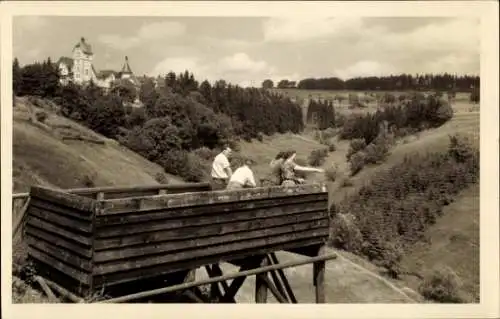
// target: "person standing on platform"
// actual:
[[221, 169]]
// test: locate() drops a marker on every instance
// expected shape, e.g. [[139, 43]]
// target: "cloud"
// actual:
[[365, 68], [296, 29], [238, 68], [147, 32], [241, 62], [177, 65], [30, 22]]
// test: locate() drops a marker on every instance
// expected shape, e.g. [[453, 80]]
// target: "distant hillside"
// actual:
[[51, 152]]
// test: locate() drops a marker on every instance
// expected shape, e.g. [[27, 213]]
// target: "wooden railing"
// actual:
[[19, 200]]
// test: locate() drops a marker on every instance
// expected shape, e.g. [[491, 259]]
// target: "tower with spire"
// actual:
[[80, 69], [126, 72]]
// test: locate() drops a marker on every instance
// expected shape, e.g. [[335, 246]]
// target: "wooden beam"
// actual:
[[45, 288], [63, 292], [214, 197], [276, 280], [20, 219], [218, 279], [260, 285], [319, 277], [120, 189], [274, 290], [69, 200], [286, 284]]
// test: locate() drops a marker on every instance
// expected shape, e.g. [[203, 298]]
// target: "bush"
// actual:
[[396, 207], [161, 178], [331, 173], [443, 286], [355, 146], [205, 153], [345, 233], [357, 161], [377, 151], [317, 157], [41, 116], [331, 147]]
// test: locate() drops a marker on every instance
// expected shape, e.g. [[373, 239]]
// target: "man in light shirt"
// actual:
[[243, 177], [221, 169]]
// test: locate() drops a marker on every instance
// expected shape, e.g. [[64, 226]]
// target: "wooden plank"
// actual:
[[172, 246], [85, 216], [113, 279], [91, 192], [69, 200], [61, 221], [176, 233], [226, 248], [260, 285], [56, 264], [134, 214], [319, 277], [52, 228], [213, 197], [245, 273], [40, 233], [60, 254], [212, 221]]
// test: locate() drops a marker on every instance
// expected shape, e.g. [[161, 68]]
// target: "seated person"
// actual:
[[242, 177]]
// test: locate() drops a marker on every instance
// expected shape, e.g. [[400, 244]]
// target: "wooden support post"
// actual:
[[162, 191], [100, 196], [63, 292], [215, 293], [261, 286], [46, 288], [286, 284], [20, 221], [278, 295], [319, 277]]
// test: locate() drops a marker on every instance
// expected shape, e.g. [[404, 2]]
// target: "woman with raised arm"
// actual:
[[289, 167]]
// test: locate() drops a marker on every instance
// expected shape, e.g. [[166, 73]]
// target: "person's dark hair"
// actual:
[[280, 155], [288, 154]]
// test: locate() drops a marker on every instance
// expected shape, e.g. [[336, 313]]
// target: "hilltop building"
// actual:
[[80, 69]]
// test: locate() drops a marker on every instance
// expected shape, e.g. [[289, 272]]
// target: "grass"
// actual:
[[72, 163], [454, 243]]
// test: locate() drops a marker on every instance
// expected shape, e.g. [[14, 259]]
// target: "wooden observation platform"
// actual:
[[137, 243]]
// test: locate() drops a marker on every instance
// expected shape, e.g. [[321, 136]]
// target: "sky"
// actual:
[[248, 50]]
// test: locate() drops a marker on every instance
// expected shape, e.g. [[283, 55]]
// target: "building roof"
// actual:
[[126, 67], [68, 61], [103, 74], [84, 46]]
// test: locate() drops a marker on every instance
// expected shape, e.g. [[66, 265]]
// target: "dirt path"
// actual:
[[345, 283]]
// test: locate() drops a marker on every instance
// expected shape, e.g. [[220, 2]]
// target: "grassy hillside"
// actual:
[[43, 154], [452, 241]]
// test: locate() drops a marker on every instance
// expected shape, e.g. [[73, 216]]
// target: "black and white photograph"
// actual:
[[310, 158]]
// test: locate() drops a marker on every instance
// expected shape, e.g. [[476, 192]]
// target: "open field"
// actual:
[[460, 101]]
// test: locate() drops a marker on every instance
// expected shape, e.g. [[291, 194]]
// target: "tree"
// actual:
[[267, 84], [16, 77], [124, 89]]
